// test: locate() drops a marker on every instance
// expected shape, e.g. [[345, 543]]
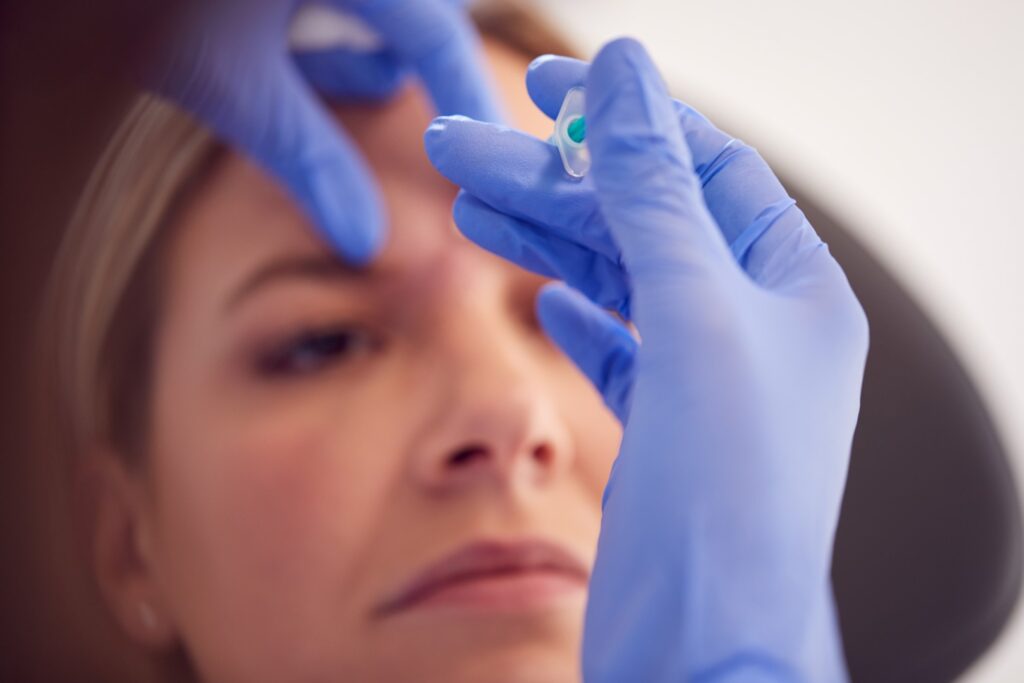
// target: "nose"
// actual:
[[496, 424]]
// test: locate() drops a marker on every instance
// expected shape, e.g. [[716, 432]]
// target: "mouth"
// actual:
[[494, 576]]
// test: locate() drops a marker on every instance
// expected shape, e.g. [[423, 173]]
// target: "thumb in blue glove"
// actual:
[[228, 63], [739, 402]]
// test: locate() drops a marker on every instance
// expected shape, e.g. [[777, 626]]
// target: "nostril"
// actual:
[[467, 455], [544, 454]]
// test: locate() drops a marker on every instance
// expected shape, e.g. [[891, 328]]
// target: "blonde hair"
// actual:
[[101, 304]]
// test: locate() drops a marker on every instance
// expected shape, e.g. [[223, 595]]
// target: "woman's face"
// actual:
[[382, 474]]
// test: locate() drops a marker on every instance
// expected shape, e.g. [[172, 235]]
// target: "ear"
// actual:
[[119, 542]]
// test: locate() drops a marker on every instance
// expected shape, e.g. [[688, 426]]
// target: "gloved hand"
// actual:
[[228, 63], [739, 400]]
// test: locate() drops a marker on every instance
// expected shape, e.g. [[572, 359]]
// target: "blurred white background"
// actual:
[[906, 119]]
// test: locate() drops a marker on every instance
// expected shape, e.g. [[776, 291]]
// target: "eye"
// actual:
[[312, 351]]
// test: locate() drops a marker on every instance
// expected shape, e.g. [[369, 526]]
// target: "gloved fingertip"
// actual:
[[360, 244], [433, 138], [549, 77], [558, 310], [627, 52], [623, 45], [600, 346], [446, 147], [465, 208], [434, 141], [356, 230], [475, 220], [440, 126], [539, 62], [443, 122], [628, 108], [623, 60], [552, 297]]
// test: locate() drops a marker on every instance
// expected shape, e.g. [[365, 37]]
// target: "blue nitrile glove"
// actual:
[[229, 64], [741, 398]]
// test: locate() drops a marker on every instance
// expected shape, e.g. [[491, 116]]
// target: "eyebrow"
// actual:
[[311, 267]]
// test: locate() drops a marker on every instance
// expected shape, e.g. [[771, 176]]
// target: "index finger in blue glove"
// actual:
[[550, 77], [520, 175], [437, 41]]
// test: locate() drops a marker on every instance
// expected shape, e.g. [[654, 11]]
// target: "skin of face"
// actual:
[[320, 434]]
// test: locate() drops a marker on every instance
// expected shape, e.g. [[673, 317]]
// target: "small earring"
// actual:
[[147, 615]]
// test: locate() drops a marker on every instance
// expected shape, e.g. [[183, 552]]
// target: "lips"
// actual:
[[493, 576]]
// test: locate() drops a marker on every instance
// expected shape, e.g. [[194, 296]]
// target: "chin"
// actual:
[[507, 649], [520, 665]]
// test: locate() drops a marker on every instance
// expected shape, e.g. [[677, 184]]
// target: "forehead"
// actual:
[[390, 137], [247, 216]]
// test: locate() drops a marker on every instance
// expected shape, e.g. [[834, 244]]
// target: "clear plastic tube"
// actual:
[[570, 132]]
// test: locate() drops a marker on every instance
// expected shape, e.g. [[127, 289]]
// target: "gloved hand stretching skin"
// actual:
[[229, 64], [740, 401]]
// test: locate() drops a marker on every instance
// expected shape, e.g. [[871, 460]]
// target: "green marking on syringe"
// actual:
[[577, 129]]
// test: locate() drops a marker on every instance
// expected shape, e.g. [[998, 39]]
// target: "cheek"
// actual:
[[258, 526], [277, 496]]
